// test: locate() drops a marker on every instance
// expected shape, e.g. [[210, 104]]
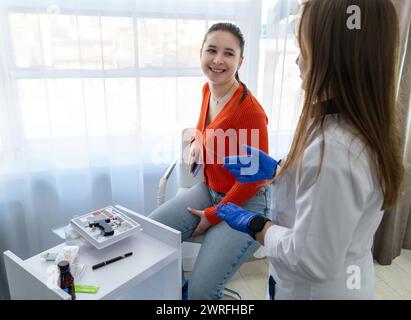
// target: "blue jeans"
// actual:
[[223, 249]]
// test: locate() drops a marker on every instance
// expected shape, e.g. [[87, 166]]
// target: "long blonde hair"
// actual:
[[357, 69]]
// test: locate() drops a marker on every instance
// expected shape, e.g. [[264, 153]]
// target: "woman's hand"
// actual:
[[235, 216], [257, 166], [203, 225], [239, 219]]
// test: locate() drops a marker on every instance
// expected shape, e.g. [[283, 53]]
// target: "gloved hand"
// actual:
[[235, 216], [267, 166]]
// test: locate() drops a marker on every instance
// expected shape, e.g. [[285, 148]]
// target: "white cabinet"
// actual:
[[152, 272]]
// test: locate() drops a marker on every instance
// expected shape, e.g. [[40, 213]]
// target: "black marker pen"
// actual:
[[102, 264]]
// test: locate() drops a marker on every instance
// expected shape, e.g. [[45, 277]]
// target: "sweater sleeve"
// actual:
[[242, 192]]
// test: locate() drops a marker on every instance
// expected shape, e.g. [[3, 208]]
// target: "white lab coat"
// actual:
[[320, 244]]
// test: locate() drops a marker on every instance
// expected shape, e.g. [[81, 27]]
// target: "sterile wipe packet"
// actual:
[[68, 253]]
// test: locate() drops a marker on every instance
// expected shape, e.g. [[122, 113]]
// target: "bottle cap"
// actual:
[[63, 265]]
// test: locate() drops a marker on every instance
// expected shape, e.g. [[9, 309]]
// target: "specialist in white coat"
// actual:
[[320, 245]]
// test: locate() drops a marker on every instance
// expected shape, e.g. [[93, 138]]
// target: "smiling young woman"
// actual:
[[227, 106]]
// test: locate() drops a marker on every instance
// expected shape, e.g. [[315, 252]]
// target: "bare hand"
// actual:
[[203, 225]]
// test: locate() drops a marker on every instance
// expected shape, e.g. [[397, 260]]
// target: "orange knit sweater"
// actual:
[[241, 119]]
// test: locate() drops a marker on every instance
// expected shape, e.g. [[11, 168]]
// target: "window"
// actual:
[[96, 71], [99, 69], [279, 87]]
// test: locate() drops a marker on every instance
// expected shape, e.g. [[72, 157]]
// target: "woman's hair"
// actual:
[[236, 32], [357, 70]]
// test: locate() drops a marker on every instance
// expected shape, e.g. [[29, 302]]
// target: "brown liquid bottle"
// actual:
[[66, 279]]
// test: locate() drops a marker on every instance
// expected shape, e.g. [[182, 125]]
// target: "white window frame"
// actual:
[[12, 131]]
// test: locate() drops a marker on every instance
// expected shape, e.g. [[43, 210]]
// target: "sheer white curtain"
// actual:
[[279, 84], [94, 94]]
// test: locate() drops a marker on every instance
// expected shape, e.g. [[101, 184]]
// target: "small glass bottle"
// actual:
[[66, 279]]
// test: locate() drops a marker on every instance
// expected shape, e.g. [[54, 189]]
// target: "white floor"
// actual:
[[392, 282]]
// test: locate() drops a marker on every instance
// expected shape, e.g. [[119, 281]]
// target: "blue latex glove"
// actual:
[[235, 216], [238, 165]]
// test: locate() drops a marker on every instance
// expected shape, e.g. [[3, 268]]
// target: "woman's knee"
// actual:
[[159, 215]]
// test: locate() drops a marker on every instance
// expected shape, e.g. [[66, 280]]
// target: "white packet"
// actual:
[[67, 253]]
